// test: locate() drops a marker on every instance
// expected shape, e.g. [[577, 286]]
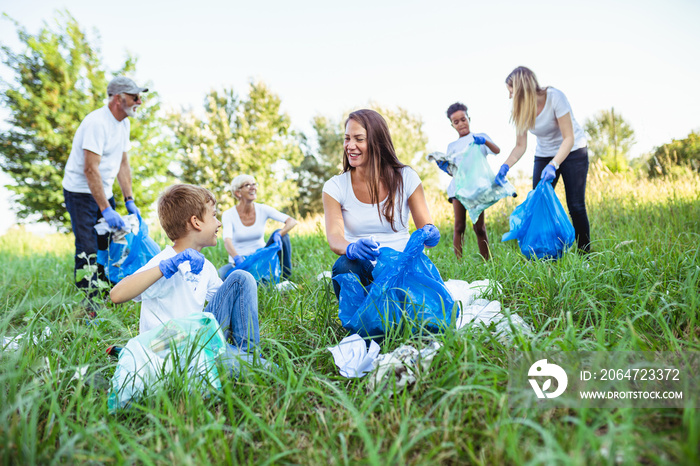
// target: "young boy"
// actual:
[[179, 280], [457, 114]]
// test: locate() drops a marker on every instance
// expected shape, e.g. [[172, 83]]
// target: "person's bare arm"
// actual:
[[419, 208], [518, 151], [493, 147], [94, 179], [335, 227], [124, 177], [133, 285], [567, 132], [228, 244], [288, 225]]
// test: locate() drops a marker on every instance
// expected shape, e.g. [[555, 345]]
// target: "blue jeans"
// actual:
[[235, 306], [284, 254], [360, 267], [574, 171], [84, 214]]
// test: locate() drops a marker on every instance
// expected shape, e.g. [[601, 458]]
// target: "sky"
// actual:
[[328, 58]]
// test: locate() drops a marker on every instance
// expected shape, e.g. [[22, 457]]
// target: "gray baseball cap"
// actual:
[[124, 85]]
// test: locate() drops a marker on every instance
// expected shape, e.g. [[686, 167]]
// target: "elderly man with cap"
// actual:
[[98, 156]]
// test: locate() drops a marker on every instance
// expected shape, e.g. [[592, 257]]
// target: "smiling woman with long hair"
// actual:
[[561, 144], [368, 204]]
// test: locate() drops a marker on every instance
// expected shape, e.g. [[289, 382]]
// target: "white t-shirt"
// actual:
[[456, 150], [547, 130], [362, 220], [177, 296], [247, 240], [102, 134]]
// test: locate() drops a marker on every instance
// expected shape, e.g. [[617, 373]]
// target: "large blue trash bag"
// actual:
[[121, 260], [474, 183], [263, 264], [406, 286], [540, 224]]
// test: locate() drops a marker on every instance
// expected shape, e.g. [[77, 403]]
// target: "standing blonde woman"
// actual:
[[561, 144], [367, 206]]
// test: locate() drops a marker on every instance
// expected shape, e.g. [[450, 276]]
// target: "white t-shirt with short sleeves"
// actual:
[[362, 220], [547, 130], [247, 240], [177, 296], [102, 134], [456, 150]]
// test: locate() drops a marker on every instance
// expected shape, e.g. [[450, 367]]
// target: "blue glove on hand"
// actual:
[[238, 260], [444, 166], [433, 235], [364, 248], [277, 238], [131, 207], [169, 266], [501, 177], [479, 140], [549, 173], [113, 219]]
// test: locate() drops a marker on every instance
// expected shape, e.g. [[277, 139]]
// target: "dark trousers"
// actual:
[[360, 267], [573, 171], [285, 255], [84, 214]]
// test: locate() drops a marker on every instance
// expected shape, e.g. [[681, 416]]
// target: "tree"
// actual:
[[406, 134], [58, 80], [250, 136], [409, 141], [677, 153], [610, 139], [318, 167]]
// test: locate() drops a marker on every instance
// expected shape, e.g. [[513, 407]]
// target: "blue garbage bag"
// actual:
[[406, 287], [263, 264], [122, 259], [474, 183], [540, 224]]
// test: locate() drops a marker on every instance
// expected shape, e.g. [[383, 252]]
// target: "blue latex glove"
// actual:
[[433, 235], [479, 140], [444, 166], [364, 248], [131, 207], [238, 260], [501, 177], [277, 238], [169, 266], [113, 219], [549, 173]]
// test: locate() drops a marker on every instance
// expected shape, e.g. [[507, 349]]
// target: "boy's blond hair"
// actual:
[[178, 204]]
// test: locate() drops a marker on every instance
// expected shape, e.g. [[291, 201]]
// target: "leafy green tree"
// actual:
[[678, 153], [409, 141], [319, 165], [406, 133], [610, 139], [58, 80], [233, 137]]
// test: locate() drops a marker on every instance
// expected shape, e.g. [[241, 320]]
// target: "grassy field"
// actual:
[[638, 291]]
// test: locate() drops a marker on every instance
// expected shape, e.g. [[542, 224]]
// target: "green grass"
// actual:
[[638, 290]]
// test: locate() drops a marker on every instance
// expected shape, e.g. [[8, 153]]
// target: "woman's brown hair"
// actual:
[[384, 166]]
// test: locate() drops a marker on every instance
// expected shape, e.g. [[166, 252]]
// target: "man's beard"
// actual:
[[131, 111]]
